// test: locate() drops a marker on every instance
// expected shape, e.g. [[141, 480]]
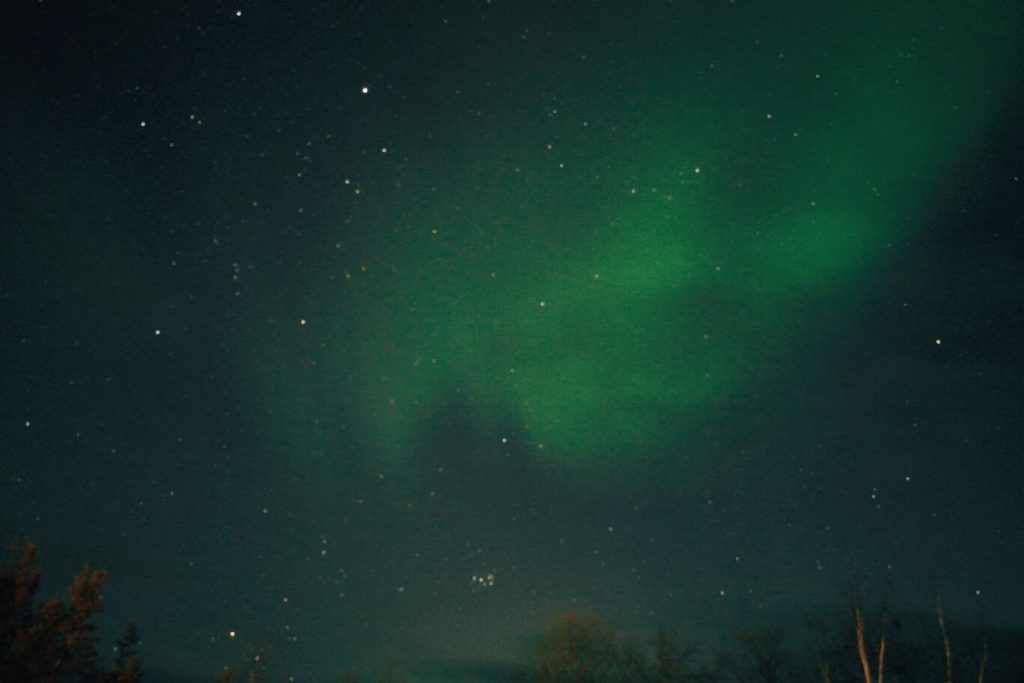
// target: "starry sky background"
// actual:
[[388, 331]]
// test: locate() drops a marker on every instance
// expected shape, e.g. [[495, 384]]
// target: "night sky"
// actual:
[[388, 331]]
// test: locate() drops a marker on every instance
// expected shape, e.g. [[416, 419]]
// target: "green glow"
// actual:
[[603, 328]]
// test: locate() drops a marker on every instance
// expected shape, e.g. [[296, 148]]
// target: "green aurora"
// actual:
[[591, 272]]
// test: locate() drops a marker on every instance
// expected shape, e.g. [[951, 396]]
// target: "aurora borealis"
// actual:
[[384, 332], [650, 239]]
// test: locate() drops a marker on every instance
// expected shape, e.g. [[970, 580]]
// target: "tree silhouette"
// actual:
[[255, 666], [673, 662], [56, 642], [765, 649], [127, 661], [577, 650], [947, 650]]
